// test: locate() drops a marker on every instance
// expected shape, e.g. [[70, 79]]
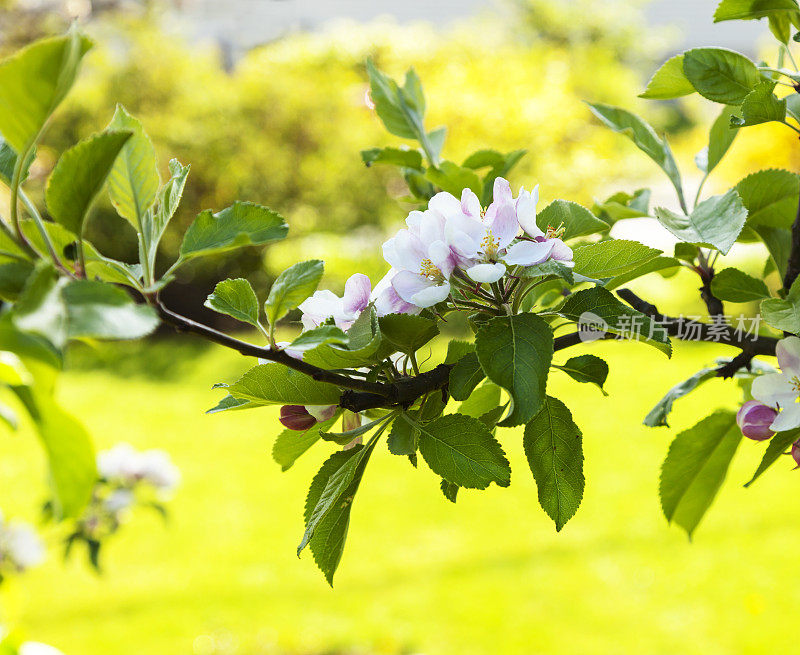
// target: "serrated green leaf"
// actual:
[[695, 468], [318, 336], [751, 9], [403, 438], [463, 451], [40, 309], [587, 369], [363, 341], [292, 287], [577, 220], [274, 384], [775, 448], [456, 349], [653, 266], [611, 257], [449, 490], [550, 267], [229, 403], [783, 314], [407, 333], [716, 222], [169, 198], [554, 449], [761, 105], [394, 157], [735, 286], [291, 444], [241, 224], [720, 74], [515, 353], [618, 317], [400, 109], [484, 399], [668, 81], [79, 176], [658, 415], [778, 242], [96, 310], [8, 161], [33, 82], [235, 298], [771, 197], [720, 138], [645, 138], [453, 178], [465, 375], [133, 182]]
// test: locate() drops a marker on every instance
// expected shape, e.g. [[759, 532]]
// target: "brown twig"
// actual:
[[793, 265]]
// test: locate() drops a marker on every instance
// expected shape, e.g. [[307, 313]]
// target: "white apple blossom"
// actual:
[[37, 648], [544, 245], [782, 390], [20, 546], [125, 465]]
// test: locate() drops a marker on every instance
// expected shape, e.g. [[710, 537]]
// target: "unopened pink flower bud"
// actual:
[[321, 412], [796, 453], [754, 419], [296, 417]]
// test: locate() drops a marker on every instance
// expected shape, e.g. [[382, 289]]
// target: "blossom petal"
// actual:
[[562, 252], [356, 294], [501, 191], [774, 389], [788, 419], [320, 307], [442, 257], [445, 204], [432, 227], [470, 204], [788, 353], [388, 302], [487, 272], [431, 295], [528, 253], [504, 227], [526, 211], [407, 284], [464, 235]]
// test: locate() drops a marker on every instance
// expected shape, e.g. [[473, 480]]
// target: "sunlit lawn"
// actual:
[[419, 575]]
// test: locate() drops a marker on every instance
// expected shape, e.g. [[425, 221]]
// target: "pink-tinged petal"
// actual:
[[464, 235], [754, 419], [501, 192], [526, 212], [321, 412], [318, 308], [414, 220], [388, 302], [356, 293], [774, 389], [487, 273], [445, 204], [432, 295], [470, 204], [562, 252], [407, 284], [504, 226], [442, 257], [528, 253], [788, 419], [432, 227], [410, 251], [788, 353]]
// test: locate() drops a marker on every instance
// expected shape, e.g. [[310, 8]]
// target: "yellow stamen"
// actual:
[[490, 245], [429, 270], [555, 232]]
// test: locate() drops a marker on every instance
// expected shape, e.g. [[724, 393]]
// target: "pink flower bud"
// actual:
[[754, 419], [296, 417], [796, 452]]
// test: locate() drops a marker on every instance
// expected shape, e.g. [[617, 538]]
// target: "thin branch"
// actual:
[[793, 266]]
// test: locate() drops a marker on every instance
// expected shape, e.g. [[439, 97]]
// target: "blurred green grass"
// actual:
[[419, 575]]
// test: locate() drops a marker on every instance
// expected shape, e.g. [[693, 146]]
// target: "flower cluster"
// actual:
[[776, 404], [20, 547]]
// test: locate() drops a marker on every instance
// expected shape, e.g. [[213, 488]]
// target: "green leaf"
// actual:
[[587, 369], [465, 375], [645, 138], [292, 287], [775, 448], [13, 277], [771, 197], [695, 468], [716, 222], [484, 399], [453, 178], [79, 176], [41, 308], [761, 106], [515, 353], [401, 109], [554, 449], [778, 242], [668, 81], [329, 491], [463, 451], [133, 183], [291, 444], [611, 257], [229, 403], [241, 224], [599, 303], [623, 205], [751, 9], [720, 75], [449, 490], [658, 415], [363, 341], [8, 161], [97, 310], [654, 265], [407, 333], [69, 449], [720, 138], [169, 197], [735, 286], [783, 314], [403, 438], [344, 438], [577, 220], [318, 336], [274, 384], [456, 349], [550, 267], [33, 82], [236, 298], [501, 164], [393, 156]]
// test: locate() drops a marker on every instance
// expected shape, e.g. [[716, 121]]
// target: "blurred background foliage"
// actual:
[[284, 124]]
